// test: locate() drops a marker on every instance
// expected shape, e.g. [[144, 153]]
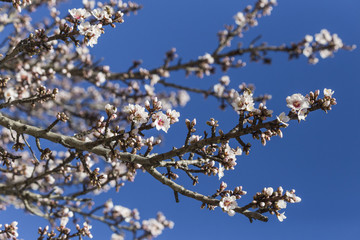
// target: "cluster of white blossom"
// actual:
[[93, 31], [228, 156], [228, 204], [10, 231], [66, 214], [325, 43], [219, 88], [298, 104], [161, 121], [243, 102], [156, 226]]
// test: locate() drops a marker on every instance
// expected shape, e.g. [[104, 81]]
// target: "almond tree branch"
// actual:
[[202, 198]]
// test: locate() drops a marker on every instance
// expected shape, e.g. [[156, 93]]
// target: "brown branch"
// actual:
[[202, 198]]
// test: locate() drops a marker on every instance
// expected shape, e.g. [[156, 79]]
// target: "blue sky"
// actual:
[[319, 157]]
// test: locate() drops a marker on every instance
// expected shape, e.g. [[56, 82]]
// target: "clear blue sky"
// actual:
[[319, 158]]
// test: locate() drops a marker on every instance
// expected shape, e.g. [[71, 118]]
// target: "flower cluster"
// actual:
[[136, 114], [154, 227], [161, 121], [327, 44], [298, 104], [92, 32], [243, 102], [10, 231], [273, 201], [228, 204]]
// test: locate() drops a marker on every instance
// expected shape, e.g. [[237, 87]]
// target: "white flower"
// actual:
[[116, 236], [137, 114], [10, 94], [325, 53], [297, 102], [307, 51], [149, 89], [100, 78], [225, 80], [282, 118], [221, 171], [79, 13], [153, 226], [173, 116], [208, 58], [302, 114], [154, 79], [92, 32], [64, 221], [323, 37], [292, 197], [194, 139], [161, 121], [281, 216], [240, 19], [328, 92], [219, 89], [110, 109], [230, 156], [243, 102], [309, 38], [281, 204], [268, 191], [337, 41], [183, 97], [228, 204], [98, 13], [120, 211]]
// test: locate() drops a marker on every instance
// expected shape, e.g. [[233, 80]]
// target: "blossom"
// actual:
[[281, 204], [183, 97], [100, 14], [225, 80], [120, 211], [323, 37], [154, 79], [92, 32], [79, 13], [309, 38], [10, 94], [268, 191], [302, 114], [137, 114], [328, 92], [194, 139], [110, 109], [221, 171], [208, 58], [116, 236], [100, 78], [219, 89], [230, 156], [173, 116], [243, 102], [291, 197], [161, 121], [240, 19], [153, 226], [325, 53], [149, 89], [282, 118], [307, 51], [228, 204], [297, 102], [281, 216], [337, 41]]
